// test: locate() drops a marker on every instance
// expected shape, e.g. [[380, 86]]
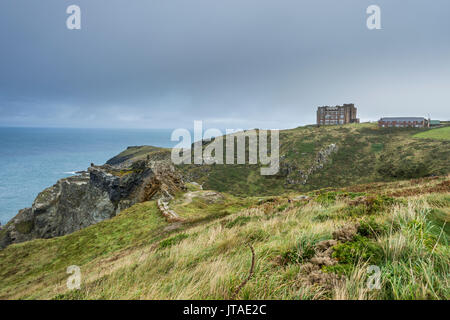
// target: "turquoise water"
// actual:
[[32, 159]]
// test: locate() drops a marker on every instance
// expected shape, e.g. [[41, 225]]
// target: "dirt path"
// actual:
[[190, 195]]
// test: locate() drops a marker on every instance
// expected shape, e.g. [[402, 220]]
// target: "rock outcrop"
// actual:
[[97, 194], [312, 272], [294, 175], [165, 210]]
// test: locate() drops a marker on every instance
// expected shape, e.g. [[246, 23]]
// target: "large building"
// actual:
[[403, 122], [336, 115]]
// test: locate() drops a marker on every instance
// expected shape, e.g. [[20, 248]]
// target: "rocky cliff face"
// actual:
[[294, 175], [99, 193]]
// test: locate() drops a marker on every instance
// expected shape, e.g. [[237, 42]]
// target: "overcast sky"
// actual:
[[230, 63]]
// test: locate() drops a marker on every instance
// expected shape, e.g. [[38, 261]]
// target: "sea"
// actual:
[[32, 159]]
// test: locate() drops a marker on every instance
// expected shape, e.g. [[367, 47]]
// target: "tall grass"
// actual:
[[211, 258]]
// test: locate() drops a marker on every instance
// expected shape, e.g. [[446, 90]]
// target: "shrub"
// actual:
[[361, 248], [370, 228], [326, 198], [403, 169], [369, 205], [330, 197], [302, 251], [282, 207]]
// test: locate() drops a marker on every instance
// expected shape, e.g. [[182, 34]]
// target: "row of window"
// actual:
[[400, 125], [327, 116], [331, 122]]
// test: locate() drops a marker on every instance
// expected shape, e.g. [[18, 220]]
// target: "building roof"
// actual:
[[402, 119], [337, 107]]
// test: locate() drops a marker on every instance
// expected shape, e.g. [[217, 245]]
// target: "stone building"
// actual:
[[403, 122], [336, 115]]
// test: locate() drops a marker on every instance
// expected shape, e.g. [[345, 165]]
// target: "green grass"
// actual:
[[133, 227], [403, 228], [138, 255], [377, 147], [173, 240], [141, 153], [435, 134], [202, 206], [366, 154]]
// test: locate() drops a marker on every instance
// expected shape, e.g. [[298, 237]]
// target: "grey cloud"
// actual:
[[246, 63]]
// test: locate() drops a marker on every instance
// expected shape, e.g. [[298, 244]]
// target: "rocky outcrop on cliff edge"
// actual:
[[97, 194]]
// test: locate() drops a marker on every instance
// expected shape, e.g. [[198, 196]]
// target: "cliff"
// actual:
[[97, 194], [310, 158], [313, 244]]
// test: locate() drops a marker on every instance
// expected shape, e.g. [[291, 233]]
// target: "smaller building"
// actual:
[[403, 122], [435, 123]]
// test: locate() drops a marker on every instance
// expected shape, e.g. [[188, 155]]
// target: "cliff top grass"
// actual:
[[135, 153], [138, 255], [42, 263], [366, 153], [435, 134]]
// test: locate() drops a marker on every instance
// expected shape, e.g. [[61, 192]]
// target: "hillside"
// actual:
[[365, 153], [374, 197], [312, 246]]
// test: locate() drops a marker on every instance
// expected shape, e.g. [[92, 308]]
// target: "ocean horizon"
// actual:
[[32, 159]]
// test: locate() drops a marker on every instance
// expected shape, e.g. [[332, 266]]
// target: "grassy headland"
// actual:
[[382, 200], [435, 134], [401, 227], [366, 153]]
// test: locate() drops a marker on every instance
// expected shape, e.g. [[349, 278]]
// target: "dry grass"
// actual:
[[208, 258]]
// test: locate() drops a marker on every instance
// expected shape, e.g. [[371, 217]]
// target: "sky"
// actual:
[[230, 63]]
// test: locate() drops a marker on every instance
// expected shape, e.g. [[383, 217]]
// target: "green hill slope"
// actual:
[[382, 198], [435, 134], [317, 246], [365, 154]]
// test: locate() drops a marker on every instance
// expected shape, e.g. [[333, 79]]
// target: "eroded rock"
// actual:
[[295, 175], [79, 201], [346, 233]]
